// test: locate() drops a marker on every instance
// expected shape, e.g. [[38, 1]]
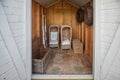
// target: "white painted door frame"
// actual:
[[97, 42], [28, 37]]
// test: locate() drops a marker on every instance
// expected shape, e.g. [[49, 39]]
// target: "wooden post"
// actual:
[[86, 40], [83, 33], [91, 45], [80, 31]]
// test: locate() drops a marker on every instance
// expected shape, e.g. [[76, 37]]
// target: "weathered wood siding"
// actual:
[[62, 13], [7, 68], [36, 27], [87, 36], [110, 12], [14, 11], [12, 37]]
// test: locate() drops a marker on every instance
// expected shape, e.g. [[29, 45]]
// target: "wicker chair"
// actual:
[[54, 36], [66, 37]]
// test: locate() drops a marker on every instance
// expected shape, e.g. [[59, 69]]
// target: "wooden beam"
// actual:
[[52, 4], [72, 4]]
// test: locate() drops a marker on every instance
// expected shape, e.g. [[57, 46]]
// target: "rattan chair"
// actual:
[[54, 36], [66, 36]]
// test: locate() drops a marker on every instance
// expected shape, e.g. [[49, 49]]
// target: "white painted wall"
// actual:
[[7, 69], [110, 21], [13, 17], [15, 14]]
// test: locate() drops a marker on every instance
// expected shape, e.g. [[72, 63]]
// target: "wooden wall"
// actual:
[[110, 40], [88, 41], [87, 36], [62, 13], [12, 40], [36, 27]]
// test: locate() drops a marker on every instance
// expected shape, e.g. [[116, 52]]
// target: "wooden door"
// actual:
[[12, 65]]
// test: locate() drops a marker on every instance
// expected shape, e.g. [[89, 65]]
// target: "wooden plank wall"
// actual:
[[62, 13], [36, 27], [12, 36], [110, 40], [87, 36]]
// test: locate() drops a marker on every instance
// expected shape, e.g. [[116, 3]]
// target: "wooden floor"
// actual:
[[67, 62]]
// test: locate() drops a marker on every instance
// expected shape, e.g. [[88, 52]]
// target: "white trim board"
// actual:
[[97, 42], [37, 76], [97, 39], [28, 37]]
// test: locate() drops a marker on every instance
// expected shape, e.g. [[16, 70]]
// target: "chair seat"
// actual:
[[53, 42], [66, 42]]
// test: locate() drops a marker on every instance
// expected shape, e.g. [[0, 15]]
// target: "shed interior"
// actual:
[[54, 60]]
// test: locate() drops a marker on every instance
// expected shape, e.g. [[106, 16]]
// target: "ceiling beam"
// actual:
[[72, 4], [52, 4], [76, 3]]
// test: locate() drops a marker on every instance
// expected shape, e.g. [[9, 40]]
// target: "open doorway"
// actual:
[[75, 58]]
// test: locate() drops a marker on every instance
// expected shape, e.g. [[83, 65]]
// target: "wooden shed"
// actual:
[[27, 50], [80, 35]]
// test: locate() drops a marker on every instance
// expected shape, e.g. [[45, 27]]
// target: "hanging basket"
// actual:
[[88, 16], [80, 15]]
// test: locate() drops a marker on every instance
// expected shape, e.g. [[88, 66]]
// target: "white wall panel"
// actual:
[[15, 16], [15, 13], [12, 3], [0, 38], [109, 1], [110, 12], [114, 73]]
